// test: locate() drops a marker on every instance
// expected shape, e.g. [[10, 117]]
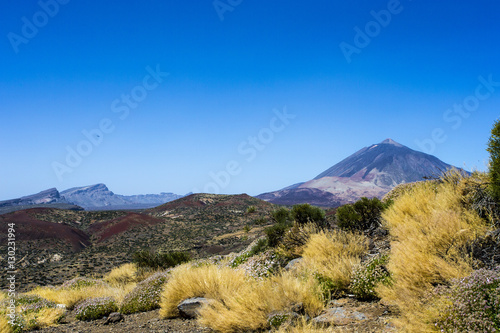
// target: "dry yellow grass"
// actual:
[[71, 297], [204, 281], [4, 324], [429, 227], [121, 276], [248, 308], [45, 317], [334, 254], [239, 303]]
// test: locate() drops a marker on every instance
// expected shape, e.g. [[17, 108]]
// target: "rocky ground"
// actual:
[[139, 322], [343, 315]]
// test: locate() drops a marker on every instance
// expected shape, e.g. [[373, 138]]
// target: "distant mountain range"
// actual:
[[99, 197], [371, 172], [94, 197]]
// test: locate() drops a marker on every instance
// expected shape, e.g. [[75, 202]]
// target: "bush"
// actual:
[[474, 304], [157, 260], [95, 308], [305, 213], [367, 276], [146, 295], [281, 216], [332, 256], [295, 238], [363, 215], [494, 150], [259, 246], [251, 209], [81, 282], [262, 265], [35, 312], [276, 232]]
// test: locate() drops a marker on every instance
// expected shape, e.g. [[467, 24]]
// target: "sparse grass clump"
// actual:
[[123, 275], [368, 275], [76, 290], [146, 295], [431, 230], [203, 281], [332, 256], [95, 308], [473, 304]]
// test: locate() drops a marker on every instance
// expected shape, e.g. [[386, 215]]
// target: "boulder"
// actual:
[[113, 318], [189, 308], [293, 264]]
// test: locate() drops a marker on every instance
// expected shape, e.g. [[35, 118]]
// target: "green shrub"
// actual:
[[146, 295], [260, 221], [281, 216], [95, 308], [494, 150], [305, 213], [474, 304], [368, 275], [363, 215], [158, 260], [251, 209], [276, 232]]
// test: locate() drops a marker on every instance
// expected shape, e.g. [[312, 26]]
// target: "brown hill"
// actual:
[[54, 245]]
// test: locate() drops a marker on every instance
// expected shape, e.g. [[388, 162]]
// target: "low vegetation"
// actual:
[[159, 260], [440, 271]]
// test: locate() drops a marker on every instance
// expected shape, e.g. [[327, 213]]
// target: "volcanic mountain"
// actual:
[[371, 172]]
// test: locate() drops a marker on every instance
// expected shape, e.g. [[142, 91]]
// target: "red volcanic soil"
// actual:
[[28, 228], [107, 229]]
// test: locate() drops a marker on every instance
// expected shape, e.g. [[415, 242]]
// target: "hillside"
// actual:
[[92, 242]]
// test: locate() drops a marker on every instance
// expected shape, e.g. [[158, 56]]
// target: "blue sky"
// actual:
[[418, 73]]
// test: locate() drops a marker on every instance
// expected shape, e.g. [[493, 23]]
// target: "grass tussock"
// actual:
[[430, 228], [122, 276], [72, 296], [4, 324], [333, 255], [204, 281], [239, 303]]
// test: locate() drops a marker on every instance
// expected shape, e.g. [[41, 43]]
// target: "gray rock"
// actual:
[[293, 264], [338, 317], [189, 307], [113, 318]]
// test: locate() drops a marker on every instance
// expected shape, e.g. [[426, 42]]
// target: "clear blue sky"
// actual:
[[68, 66]]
